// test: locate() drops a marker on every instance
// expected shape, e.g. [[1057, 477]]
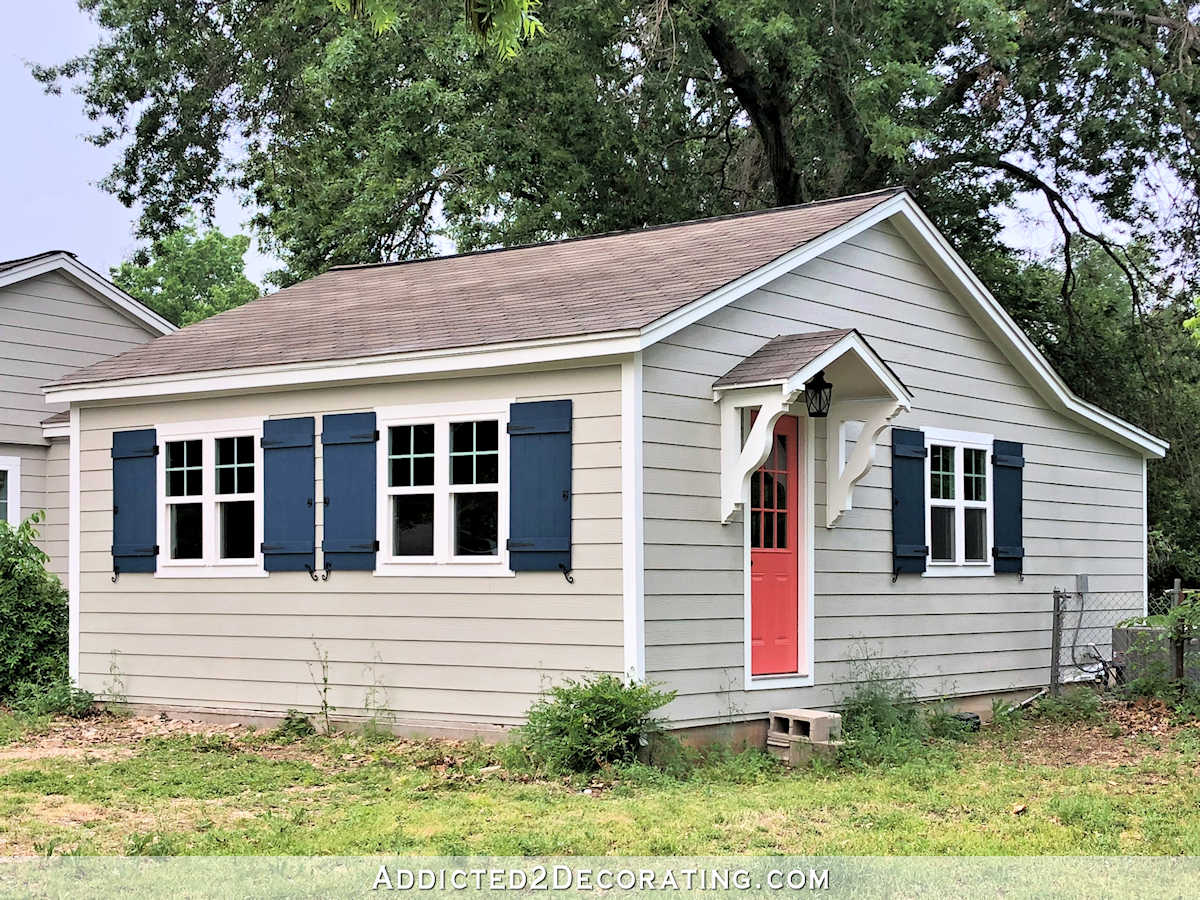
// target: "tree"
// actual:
[[187, 276], [362, 144], [501, 24]]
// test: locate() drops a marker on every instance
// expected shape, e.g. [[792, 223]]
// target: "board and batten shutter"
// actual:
[[539, 464], [289, 502], [135, 491], [1008, 464], [348, 469], [909, 548]]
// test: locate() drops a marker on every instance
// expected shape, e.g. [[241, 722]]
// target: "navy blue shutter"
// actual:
[[135, 491], [909, 548], [348, 467], [289, 483], [1008, 462], [539, 486]]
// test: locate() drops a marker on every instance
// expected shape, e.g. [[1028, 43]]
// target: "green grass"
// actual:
[[216, 795]]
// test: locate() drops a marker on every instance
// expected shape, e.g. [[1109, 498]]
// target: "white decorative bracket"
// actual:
[[839, 486], [739, 461]]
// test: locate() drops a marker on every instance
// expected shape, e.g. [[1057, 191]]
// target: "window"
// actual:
[[211, 520], [10, 489], [443, 480], [958, 519]]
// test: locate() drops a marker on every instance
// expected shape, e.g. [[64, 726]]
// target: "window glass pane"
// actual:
[[768, 490], [226, 481], [485, 435], [974, 474], [237, 530], [487, 468], [781, 491], [245, 479], [975, 534], [462, 470], [941, 473], [756, 529], [941, 522], [3, 495], [475, 524], [768, 531], [781, 539], [756, 490], [186, 531], [184, 473], [410, 455], [412, 525]]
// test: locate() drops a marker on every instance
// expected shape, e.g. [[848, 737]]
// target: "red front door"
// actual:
[[774, 556]]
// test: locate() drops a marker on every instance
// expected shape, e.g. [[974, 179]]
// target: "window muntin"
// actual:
[[444, 497], [210, 491], [769, 501], [958, 501]]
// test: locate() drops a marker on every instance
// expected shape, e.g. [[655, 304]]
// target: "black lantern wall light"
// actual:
[[817, 395]]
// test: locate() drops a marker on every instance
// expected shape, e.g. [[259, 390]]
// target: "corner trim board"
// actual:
[[632, 520], [73, 519]]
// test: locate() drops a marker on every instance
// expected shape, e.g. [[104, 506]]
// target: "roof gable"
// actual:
[[14, 271]]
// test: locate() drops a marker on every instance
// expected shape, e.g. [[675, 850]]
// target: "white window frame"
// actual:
[[210, 565], [443, 562], [12, 465], [959, 440]]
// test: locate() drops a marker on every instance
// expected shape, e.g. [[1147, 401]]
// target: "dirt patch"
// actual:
[[106, 737], [1129, 734]]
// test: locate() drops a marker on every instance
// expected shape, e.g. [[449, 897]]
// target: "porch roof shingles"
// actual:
[[781, 357], [563, 289]]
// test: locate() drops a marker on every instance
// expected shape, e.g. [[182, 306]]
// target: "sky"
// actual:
[[49, 173]]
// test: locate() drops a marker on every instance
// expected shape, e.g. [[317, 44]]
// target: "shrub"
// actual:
[[59, 698], [581, 725], [1078, 704], [33, 612]]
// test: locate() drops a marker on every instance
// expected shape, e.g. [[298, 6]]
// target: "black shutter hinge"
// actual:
[[566, 573]]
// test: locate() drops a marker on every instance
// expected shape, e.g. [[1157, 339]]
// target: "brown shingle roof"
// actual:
[[59, 418], [781, 357], [573, 287]]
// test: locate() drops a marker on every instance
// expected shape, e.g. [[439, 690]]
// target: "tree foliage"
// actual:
[[364, 130], [187, 276]]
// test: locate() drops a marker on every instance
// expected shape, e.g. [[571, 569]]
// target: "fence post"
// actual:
[[1056, 642], [1178, 641]]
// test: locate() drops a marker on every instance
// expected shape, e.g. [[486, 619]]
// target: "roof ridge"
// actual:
[[745, 214]]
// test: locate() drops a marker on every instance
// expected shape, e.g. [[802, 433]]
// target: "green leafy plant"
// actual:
[[1079, 704], [33, 611], [58, 698], [1005, 715], [294, 727], [581, 725]]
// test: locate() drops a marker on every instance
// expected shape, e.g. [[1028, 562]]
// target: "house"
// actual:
[[56, 315], [442, 484]]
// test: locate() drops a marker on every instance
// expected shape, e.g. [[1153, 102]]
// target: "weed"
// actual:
[[116, 700], [943, 722], [151, 844], [294, 727], [59, 698], [322, 686], [1006, 716], [1078, 704]]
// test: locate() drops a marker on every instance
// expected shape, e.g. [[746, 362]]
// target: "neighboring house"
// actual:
[[462, 478], [56, 315]]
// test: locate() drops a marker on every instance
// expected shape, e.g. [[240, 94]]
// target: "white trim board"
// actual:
[[95, 283], [12, 465], [901, 210], [632, 521]]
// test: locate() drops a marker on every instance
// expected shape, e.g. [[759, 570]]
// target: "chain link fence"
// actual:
[[1102, 638]]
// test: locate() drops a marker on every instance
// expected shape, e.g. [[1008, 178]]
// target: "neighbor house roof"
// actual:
[[582, 286], [781, 357], [6, 264]]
